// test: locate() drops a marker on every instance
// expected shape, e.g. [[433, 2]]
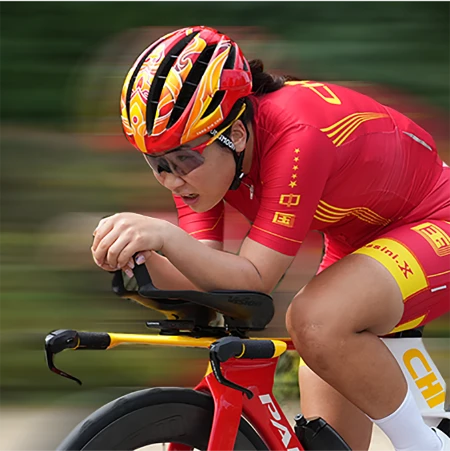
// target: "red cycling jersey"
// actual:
[[331, 159]]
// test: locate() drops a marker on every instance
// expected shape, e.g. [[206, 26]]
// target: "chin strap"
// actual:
[[239, 160], [238, 175]]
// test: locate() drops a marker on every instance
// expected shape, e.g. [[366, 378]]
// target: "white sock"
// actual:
[[407, 430]]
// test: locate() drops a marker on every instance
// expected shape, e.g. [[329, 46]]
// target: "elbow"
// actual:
[[256, 282]]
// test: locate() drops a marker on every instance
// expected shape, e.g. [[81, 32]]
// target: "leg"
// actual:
[[319, 399], [334, 322]]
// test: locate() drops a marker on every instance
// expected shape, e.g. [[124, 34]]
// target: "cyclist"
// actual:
[[294, 156]]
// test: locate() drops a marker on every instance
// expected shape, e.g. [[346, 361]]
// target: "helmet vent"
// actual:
[[133, 79], [215, 102], [191, 83], [160, 78], [229, 64]]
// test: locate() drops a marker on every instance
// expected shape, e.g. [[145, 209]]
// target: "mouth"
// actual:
[[190, 199]]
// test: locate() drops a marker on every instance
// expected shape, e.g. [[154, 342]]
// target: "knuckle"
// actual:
[[112, 253]]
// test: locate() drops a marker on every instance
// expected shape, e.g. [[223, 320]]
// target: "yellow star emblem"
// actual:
[[297, 150], [295, 168], [294, 176], [293, 184], [296, 159]]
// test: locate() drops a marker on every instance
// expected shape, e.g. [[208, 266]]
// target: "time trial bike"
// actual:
[[233, 406]]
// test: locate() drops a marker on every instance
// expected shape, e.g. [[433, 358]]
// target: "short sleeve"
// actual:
[[202, 226], [293, 174]]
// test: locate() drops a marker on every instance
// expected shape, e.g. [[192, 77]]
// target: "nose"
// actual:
[[171, 181]]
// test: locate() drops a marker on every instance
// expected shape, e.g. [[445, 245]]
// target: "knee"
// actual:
[[314, 331]]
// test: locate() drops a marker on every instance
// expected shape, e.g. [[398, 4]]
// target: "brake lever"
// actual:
[[221, 351], [58, 341]]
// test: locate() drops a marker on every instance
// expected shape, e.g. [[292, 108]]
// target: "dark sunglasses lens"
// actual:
[[163, 166], [158, 164], [183, 162], [180, 162]]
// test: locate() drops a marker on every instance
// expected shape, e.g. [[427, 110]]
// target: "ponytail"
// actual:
[[262, 83]]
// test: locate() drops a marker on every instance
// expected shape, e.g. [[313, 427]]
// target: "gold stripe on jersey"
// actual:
[[209, 229], [346, 126], [328, 213], [276, 234], [360, 212]]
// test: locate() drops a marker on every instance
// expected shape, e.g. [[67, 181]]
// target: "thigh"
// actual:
[[353, 295], [319, 399], [418, 257]]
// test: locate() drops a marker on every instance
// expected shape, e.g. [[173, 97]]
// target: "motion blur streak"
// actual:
[[65, 164]]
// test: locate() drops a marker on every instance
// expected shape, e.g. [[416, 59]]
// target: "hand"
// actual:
[[117, 238]]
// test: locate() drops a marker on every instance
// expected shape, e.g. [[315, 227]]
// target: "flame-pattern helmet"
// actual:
[[182, 87]]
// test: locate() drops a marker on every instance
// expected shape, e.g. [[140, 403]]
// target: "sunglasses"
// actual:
[[182, 161], [179, 162]]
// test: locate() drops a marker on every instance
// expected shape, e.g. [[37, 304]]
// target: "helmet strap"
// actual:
[[239, 175], [239, 160]]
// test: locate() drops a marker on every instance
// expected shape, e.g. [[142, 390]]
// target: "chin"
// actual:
[[205, 205]]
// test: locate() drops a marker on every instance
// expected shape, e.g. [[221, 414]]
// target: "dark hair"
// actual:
[[263, 83]]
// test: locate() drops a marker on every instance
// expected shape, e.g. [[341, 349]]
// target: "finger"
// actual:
[[100, 223], [103, 266], [126, 255], [140, 258], [131, 261], [103, 228], [101, 253], [108, 268], [119, 252]]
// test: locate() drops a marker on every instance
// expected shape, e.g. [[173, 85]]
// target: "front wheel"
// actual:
[[151, 416]]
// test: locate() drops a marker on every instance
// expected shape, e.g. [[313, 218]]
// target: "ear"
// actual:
[[239, 136]]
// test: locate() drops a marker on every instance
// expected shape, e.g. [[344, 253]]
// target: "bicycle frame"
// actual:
[[255, 376], [262, 411]]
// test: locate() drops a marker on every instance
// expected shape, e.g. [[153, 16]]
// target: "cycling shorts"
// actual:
[[418, 257]]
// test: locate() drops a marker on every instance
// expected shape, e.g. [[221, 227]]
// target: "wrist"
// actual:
[[168, 231]]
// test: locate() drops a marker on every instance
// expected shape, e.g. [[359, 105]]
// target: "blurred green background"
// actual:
[[65, 163]]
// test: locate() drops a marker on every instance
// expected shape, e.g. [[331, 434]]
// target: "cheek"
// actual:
[[224, 162], [221, 171], [217, 169]]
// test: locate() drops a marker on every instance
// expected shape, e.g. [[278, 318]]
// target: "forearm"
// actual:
[[207, 268], [165, 276]]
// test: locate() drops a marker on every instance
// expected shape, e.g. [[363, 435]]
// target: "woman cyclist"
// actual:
[[294, 156]]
